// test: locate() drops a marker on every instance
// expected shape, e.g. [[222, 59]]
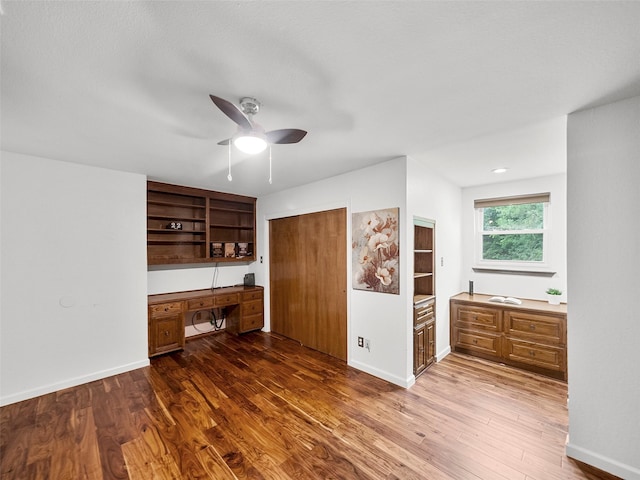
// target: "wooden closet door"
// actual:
[[308, 280]]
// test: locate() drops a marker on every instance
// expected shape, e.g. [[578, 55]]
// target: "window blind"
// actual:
[[515, 200]]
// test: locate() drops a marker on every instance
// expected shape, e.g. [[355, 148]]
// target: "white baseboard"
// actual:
[[71, 382], [444, 353], [401, 382], [603, 463]]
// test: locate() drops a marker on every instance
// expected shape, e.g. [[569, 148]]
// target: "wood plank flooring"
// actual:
[[260, 406]]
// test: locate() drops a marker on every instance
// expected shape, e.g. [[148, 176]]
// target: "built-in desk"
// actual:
[[243, 305]]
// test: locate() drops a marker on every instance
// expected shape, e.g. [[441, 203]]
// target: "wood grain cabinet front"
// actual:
[[166, 328], [252, 311], [424, 339], [531, 336]]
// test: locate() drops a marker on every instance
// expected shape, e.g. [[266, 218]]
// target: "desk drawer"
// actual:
[[251, 308], [200, 303], [165, 309], [251, 322], [228, 299], [254, 295]]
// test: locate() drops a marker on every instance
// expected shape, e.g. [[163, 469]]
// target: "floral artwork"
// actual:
[[375, 251]]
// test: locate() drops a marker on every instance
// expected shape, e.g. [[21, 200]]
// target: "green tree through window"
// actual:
[[511, 230], [503, 243]]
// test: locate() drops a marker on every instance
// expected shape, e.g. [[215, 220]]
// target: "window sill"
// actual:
[[515, 271]]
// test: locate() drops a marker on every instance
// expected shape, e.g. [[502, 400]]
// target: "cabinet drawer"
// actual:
[[478, 317], [200, 303], [423, 312], [229, 299], [254, 295], [543, 356], [477, 342], [251, 322], [164, 309], [543, 328], [251, 308]]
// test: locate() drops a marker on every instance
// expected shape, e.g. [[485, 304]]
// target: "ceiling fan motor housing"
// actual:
[[249, 105]]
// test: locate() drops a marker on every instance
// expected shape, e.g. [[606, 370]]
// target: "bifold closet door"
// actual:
[[308, 280]]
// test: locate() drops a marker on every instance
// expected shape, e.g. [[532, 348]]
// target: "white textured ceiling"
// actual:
[[462, 86]]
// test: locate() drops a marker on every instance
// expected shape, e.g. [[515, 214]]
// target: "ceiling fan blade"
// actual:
[[285, 135], [224, 142], [232, 111]]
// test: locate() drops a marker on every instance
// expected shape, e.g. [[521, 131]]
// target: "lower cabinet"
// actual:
[[166, 328], [424, 335], [249, 315], [531, 336]]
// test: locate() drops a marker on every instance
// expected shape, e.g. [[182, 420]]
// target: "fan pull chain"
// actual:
[[270, 164], [229, 177]]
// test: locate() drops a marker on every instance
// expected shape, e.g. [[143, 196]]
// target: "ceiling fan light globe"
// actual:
[[250, 144]]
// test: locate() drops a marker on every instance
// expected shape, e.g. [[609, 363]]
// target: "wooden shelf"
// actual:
[[206, 216], [420, 275]]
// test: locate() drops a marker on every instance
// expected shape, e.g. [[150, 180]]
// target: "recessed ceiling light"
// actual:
[[499, 170]]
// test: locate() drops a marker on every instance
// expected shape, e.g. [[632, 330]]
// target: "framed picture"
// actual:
[[230, 250], [375, 251]]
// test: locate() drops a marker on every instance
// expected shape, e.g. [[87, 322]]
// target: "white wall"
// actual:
[[517, 285], [73, 269], [178, 278], [431, 196], [381, 318], [603, 272]]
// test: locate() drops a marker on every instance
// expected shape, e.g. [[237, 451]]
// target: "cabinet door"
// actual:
[[430, 334], [166, 334], [419, 350]]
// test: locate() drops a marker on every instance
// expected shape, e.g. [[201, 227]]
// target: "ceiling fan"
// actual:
[[251, 137]]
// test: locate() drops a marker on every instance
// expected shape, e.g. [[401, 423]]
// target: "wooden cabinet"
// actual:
[[424, 335], [166, 328], [243, 306], [251, 314], [190, 225], [423, 295], [531, 336]]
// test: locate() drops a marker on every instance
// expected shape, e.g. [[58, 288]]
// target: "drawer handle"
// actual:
[[532, 327], [475, 341], [166, 309], [532, 353], [166, 333]]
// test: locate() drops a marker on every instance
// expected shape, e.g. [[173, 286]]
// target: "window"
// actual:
[[512, 232]]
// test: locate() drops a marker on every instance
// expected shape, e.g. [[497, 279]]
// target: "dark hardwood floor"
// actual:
[[262, 406]]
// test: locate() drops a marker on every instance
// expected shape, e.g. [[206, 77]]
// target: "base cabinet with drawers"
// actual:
[[166, 319], [424, 335], [531, 336], [166, 327]]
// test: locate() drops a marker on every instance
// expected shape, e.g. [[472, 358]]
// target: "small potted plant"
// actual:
[[553, 295]]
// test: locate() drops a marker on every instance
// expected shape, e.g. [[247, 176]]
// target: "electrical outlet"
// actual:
[[367, 344], [360, 342]]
